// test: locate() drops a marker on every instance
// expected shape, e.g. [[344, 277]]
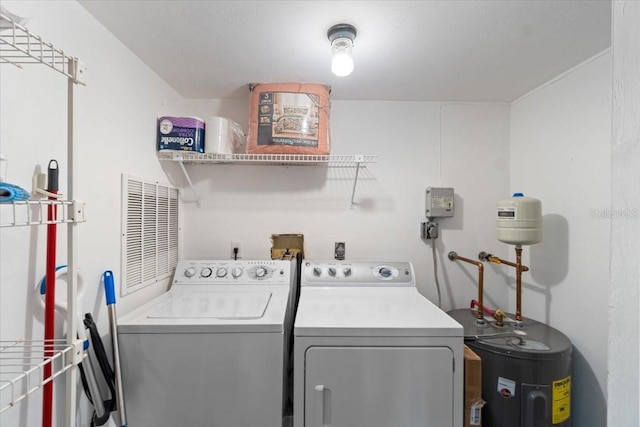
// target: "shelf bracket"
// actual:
[[359, 159], [186, 175]]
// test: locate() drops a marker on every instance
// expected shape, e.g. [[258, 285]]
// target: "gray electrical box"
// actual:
[[439, 202]]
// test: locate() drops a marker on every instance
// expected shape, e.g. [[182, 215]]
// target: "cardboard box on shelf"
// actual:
[[289, 118], [473, 402]]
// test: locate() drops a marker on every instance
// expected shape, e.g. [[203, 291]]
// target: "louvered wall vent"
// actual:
[[149, 232]]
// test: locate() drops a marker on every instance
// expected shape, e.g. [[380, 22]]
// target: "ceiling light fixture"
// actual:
[[341, 37]]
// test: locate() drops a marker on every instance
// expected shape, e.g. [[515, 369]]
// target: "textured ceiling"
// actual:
[[404, 50]]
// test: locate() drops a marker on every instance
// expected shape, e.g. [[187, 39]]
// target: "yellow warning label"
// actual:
[[561, 404]]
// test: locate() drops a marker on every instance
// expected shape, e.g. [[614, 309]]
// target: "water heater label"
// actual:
[[506, 387], [561, 403], [506, 213]]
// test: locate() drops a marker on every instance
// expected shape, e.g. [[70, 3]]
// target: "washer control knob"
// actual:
[[190, 272], [236, 272], [385, 272], [347, 272], [221, 272], [317, 271], [261, 272], [206, 272], [332, 272]]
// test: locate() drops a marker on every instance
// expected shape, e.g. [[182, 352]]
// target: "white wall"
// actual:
[[624, 296], [560, 154], [116, 120], [250, 203]]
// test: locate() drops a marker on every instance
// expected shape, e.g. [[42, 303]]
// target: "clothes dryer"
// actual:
[[371, 351], [213, 350]]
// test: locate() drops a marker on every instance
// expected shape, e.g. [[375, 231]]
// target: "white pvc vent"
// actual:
[[149, 232]]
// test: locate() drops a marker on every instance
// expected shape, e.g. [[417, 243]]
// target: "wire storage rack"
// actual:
[[357, 161], [269, 159], [22, 367], [23, 362], [19, 47], [34, 212]]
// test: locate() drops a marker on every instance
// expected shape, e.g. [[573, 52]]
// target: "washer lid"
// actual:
[[206, 309], [375, 312], [214, 305]]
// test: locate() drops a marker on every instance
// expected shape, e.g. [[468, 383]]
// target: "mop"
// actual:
[[99, 351], [110, 293], [12, 193], [87, 370]]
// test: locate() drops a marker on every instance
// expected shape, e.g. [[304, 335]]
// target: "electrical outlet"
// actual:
[[236, 252], [429, 230], [339, 251]]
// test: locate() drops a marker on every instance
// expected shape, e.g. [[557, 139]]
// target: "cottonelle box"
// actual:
[[180, 134], [473, 402]]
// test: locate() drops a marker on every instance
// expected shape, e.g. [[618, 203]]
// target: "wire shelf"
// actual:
[[269, 159], [19, 46], [23, 364], [35, 212]]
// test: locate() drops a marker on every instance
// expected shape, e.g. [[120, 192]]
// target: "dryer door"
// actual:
[[379, 387]]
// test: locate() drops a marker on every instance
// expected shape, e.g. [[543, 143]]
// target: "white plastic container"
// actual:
[[519, 220], [223, 136]]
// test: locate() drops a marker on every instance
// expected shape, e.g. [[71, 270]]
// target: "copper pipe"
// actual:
[[454, 256], [519, 271], [494, 259]]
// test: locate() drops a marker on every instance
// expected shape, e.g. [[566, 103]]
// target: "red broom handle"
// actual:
[[50, 296]]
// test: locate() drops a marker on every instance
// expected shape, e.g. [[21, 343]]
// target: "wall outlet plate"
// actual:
[[339, 250]]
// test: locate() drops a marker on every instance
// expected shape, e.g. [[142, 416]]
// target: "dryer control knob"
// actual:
[[347, 272], [206, 272], [236, 272], [261, 272], [190, 272], [221, 272], [332, 272], [317, 272]]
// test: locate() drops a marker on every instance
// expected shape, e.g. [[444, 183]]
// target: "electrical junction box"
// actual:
[[439, 202]]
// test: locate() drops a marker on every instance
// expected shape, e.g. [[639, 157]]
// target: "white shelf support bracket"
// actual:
[[79, 352], [359, 159], [76, 211], [78, 71], [186, 175]]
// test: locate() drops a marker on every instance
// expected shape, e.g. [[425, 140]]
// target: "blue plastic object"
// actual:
[[12, 193], [109, 287], [518, 195], [43, 282]]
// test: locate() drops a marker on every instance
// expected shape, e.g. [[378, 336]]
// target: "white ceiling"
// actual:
[[404, 50]]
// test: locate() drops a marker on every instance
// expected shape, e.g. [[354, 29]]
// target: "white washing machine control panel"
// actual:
[[357, 273], [224, 272]]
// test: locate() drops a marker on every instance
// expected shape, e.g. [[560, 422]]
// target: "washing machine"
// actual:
[[213, 350], [371, 351]]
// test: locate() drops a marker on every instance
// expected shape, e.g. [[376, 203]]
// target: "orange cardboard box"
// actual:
[[289, 118]]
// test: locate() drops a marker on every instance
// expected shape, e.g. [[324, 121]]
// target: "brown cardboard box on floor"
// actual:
[[473, 402]]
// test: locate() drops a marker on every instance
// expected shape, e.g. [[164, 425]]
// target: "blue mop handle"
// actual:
[[109, 287], [110, 294]]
